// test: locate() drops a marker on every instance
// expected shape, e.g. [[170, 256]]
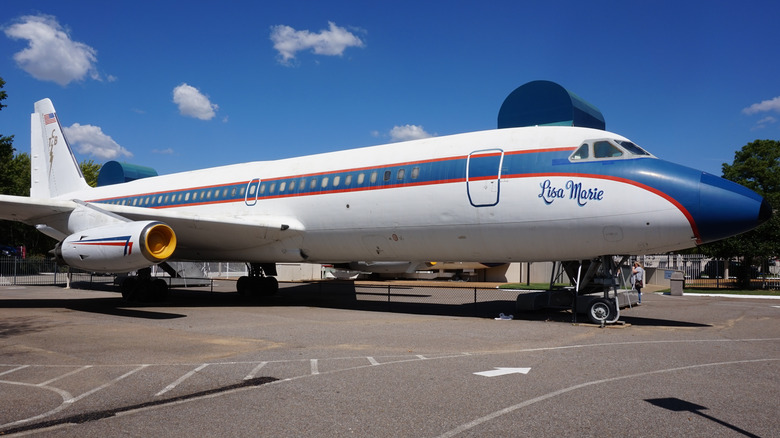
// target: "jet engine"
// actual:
[[121, 247]]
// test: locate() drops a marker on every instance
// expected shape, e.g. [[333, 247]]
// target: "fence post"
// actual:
[[14, 271]]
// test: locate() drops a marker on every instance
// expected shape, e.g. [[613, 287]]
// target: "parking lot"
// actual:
[[317, 361]]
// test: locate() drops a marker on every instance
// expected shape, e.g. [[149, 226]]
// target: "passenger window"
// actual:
[[361, 178], [581, 153], [252, 190], [605, 149], [262, 189], [272, 188], [187, 196], [282, 186], [324, 182], [292, 185], [242, 191], [313, 184], [233, 192], [387, 175], [135, 201], [336, 180], [400, 175], [373, 177], [415, 172], [348, 180]]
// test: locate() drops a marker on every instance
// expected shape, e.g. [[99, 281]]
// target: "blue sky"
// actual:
[[184, 87]]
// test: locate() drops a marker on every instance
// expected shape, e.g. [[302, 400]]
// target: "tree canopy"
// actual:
[[756, 166]]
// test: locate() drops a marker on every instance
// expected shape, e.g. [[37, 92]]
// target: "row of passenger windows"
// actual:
[[335, 181], [236, 191]]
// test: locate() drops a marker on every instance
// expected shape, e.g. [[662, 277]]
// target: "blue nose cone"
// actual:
[[727, 209]]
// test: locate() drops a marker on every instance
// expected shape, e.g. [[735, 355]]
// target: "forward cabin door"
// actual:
[[252, 190], [483, 177]]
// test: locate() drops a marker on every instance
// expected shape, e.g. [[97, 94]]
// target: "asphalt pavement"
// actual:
[[314, 362]]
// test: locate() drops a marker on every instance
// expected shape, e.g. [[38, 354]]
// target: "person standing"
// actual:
[[638, 279]]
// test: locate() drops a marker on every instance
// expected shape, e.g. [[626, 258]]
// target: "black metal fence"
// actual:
[[43, 272], [459, 299], [704, 272]]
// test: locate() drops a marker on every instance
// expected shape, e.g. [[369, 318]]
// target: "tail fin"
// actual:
[[54, 168]]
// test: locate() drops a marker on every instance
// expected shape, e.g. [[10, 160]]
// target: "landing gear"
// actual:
[[601, 311], [259, 281], [143, 288]]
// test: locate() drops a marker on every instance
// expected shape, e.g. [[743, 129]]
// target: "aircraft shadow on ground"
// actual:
[[440, 300]]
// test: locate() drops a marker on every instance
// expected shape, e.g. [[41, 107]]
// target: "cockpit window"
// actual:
[[631, 147], [605, 149], [581, 153]]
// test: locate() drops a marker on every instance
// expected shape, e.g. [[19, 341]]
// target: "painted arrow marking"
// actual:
[[503, 371]]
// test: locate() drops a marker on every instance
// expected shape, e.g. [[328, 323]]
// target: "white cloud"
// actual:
[[408, 132], [764, 106], [193, 103], [288, 41], [91, 140], [50, 54], [167, 151]]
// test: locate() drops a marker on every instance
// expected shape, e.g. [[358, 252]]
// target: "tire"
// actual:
[[601, 311]]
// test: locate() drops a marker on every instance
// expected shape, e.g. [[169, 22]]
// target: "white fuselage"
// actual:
[[494, 196]]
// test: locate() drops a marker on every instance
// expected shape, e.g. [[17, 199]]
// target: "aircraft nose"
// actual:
[[727, 209]]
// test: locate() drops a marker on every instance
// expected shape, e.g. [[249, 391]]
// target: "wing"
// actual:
[[194, 232]]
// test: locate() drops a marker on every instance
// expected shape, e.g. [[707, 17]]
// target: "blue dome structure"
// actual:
[[547, 103], [114, 172]]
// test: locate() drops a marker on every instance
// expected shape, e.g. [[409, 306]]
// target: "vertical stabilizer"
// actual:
[[55, 170]]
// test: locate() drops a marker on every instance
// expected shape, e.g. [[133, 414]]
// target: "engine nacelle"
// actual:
[[121, 247]]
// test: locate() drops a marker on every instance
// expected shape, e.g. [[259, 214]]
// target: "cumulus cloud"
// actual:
[[408, 132], [332, 42], [91, 140], [193, 103], [764, 106], [51, 55]]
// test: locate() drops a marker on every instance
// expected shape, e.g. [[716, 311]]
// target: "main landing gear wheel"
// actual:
[[601, 311]]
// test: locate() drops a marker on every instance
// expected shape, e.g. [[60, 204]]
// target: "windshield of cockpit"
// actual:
[[607, 149]]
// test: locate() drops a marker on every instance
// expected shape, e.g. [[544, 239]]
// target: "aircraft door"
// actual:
[[252, 192], [483, 177]]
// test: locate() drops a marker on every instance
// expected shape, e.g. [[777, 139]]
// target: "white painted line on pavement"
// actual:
[[255, 370], [106, 385], [181, 379], [15, 369], [85, 367]]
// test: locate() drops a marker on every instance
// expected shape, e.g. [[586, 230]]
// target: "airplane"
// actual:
[[516, 194]]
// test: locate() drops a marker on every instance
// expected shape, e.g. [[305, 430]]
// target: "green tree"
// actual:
[[756, 166], [15, 180], [90, 170], [6, 152]]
